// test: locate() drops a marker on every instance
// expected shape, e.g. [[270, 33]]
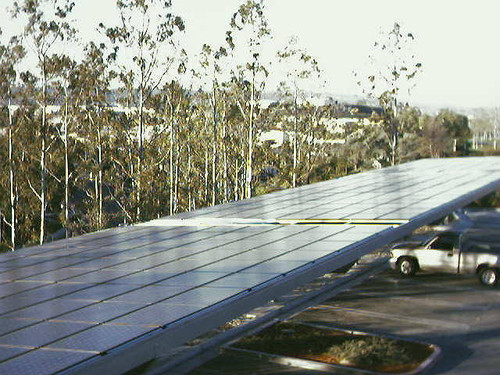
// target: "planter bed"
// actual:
[[328, 349]]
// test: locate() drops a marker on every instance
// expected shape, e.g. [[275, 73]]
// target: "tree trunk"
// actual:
[[43, 152], [311, 138], [225, 172], [43, 187], [295, 139], [66, 168], [249, 171], [236, 180], [99, 161], [176, 180], [140, 154], [99, 178], [189, 182], [495, 135], [214, 145], [171, 161], [12, 181], [394, 132], [171, 175], [207, 194]]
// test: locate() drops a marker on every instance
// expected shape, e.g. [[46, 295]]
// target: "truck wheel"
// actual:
[[488, 276], [407, 266]]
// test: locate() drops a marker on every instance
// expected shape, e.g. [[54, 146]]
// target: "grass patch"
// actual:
[[370, 351]]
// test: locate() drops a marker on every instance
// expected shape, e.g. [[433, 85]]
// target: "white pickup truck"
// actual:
[[469, 252]]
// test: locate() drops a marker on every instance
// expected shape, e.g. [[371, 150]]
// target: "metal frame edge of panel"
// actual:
[[179, 365], [153, 345]]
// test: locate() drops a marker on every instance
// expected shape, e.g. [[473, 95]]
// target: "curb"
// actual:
[[334, 368]]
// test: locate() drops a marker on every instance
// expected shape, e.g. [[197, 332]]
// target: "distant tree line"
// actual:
[[135, 129], [485, 127]]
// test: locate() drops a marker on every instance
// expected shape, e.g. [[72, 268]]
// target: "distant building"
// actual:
[[337, 123]]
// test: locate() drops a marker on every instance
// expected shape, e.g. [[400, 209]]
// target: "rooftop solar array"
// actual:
[[73, 304]]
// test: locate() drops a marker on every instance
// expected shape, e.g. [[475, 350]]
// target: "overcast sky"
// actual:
[[456, 41]]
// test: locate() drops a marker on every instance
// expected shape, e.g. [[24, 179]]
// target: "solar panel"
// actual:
[[132, 289], [42, 361], [10, 352], [97, 313], [101, 338], [9, 325], [42, 334]]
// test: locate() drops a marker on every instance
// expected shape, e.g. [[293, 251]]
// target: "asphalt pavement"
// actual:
[[453, 312]]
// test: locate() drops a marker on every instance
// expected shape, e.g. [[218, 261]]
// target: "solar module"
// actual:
[[111, 300]]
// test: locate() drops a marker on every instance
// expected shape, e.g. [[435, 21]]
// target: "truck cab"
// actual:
[[450, 252]]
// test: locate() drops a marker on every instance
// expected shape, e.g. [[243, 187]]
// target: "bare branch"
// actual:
[[33, 189]]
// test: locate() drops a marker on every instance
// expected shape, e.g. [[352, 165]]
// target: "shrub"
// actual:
[[369, 351]]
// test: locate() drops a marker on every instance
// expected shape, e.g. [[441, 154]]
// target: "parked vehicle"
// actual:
[[467, 252]]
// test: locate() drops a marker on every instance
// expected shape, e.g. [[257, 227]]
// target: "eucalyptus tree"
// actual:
[[62, 68], [435, 142], [496, 121], [27, 118], [45, 26], [301, 69], [184, 142], [364, 146], [249, 24], [91, 82], [225, 141], [485, 125], [320, 141], [10, 55], [394, 68], [175, 109], [147, 48], [457, 127], [211, 72], [411, 129]]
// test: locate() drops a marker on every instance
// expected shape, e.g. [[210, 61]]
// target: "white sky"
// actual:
[[456, 41]]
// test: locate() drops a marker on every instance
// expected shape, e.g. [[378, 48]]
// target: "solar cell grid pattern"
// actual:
[[66, 302]]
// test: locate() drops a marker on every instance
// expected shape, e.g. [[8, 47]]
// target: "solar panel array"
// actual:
[[68, 303]]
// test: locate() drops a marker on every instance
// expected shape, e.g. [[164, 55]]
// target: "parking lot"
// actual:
[[453, 312]]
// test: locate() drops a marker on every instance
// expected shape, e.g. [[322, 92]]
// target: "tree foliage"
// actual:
[[394, 68], [131, 132]]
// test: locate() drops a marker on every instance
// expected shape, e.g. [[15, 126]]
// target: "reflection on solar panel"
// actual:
[[114, 299]]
